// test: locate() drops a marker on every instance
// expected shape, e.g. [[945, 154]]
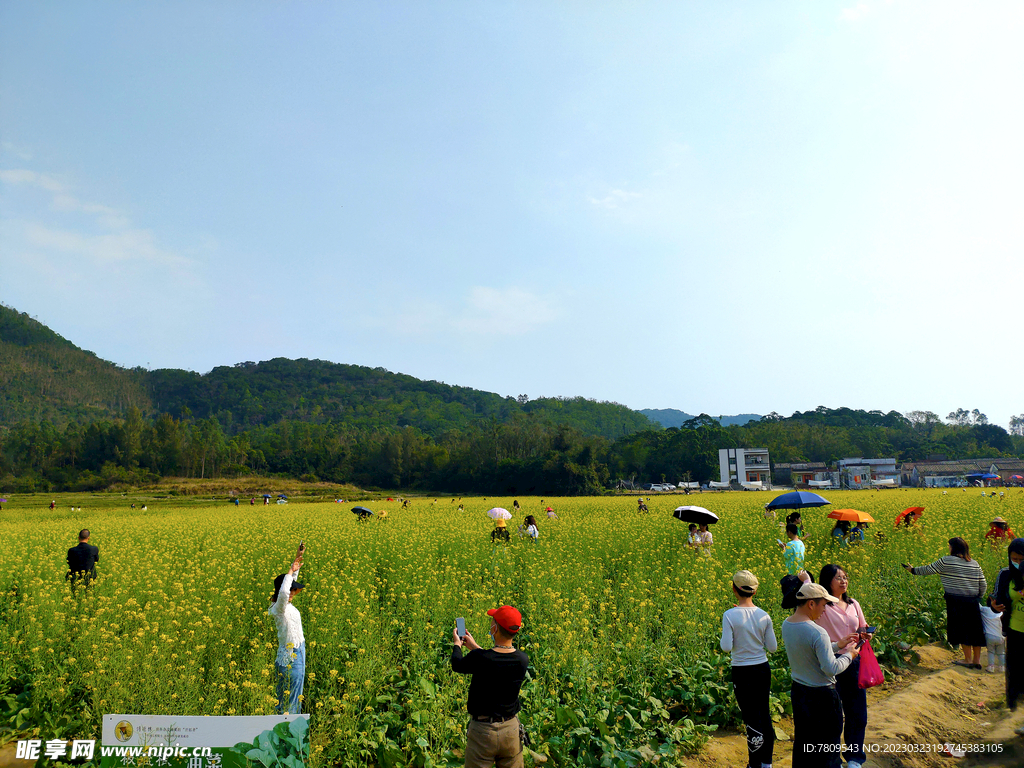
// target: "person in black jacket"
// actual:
[[82, 561], [497, 675], [1011, 579]]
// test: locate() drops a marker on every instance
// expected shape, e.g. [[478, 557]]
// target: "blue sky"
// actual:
[[717, 207]]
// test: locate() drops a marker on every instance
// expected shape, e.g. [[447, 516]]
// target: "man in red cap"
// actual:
[[497, 674]]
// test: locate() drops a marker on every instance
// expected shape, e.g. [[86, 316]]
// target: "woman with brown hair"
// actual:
[[964, 584]]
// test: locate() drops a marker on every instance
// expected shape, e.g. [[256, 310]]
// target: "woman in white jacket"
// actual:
[[291, 643]]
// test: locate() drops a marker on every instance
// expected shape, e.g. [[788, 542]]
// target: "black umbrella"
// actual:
[[797, 500], [697, 515], [362, 511]]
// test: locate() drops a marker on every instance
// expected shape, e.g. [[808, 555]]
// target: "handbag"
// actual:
[[870, 673]]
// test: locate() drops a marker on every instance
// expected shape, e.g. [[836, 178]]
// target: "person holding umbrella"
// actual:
[[964, 584], [291, 643], [999, 530], [362, 514], [499, 515]]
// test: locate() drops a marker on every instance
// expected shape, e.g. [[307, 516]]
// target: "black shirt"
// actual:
[[497, 677], [83, 558]]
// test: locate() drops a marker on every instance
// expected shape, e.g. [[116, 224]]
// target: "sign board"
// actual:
[[181, 742]]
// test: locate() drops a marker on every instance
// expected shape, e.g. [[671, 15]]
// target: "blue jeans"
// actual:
[[290, 680]]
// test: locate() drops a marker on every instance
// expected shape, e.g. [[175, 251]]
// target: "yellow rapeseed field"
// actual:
[[621, 618]]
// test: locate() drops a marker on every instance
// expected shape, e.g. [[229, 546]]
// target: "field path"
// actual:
[[935, 703]]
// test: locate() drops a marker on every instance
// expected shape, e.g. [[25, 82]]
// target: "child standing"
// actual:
[[993, 622], [793, 552], [748, 634]]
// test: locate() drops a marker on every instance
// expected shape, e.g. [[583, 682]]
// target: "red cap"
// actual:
[[508, 618]]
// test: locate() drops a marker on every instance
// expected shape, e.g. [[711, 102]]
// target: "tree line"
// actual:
[[526, 453]]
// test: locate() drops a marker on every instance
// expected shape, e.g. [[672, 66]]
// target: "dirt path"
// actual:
[[935, 703]]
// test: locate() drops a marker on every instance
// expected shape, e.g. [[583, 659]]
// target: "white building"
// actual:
[[745, 465], [868, 473]]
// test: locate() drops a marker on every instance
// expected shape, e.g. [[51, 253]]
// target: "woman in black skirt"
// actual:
[[964, 584]]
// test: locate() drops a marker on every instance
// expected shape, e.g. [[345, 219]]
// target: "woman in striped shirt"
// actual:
[[964, 583]]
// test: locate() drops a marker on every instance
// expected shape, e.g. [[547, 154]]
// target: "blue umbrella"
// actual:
[[797, 500]]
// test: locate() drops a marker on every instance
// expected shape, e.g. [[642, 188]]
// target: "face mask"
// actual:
[[1015, 564]]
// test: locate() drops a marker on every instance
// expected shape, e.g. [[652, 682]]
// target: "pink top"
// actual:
[[842, 618]]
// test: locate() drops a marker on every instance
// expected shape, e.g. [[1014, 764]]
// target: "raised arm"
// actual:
[[286, 582]]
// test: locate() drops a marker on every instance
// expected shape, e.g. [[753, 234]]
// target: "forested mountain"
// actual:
[[251, 395], [70, 421], [670, 417], [45, 376]]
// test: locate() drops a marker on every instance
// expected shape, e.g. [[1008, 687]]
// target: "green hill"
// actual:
[[670, 417], [45, 376], [251, 395]]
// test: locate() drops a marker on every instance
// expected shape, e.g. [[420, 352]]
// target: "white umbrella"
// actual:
[[497, 513]]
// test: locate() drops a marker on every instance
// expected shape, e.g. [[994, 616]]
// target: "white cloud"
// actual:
[[856, 12], [508, 312], [104, 249], [21, 153], [616, 198], [485, 312], [23, 176], [62, 199]]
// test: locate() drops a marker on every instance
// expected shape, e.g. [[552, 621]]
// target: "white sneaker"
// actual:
[[990, 669], [854, 764]]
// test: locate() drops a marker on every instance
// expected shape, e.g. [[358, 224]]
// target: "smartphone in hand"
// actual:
[[460, 626]]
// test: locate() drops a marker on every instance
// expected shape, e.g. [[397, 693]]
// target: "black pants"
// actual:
[[817, 726], [1014, 667], [751, 685], [855, 711]]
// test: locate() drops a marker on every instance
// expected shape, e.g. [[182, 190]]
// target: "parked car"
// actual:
[[668, 487]]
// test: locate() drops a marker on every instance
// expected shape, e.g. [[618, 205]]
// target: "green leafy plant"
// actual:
[[284, 746]]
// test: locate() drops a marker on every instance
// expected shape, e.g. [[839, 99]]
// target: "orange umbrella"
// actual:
[[852, 515], [915, 511]]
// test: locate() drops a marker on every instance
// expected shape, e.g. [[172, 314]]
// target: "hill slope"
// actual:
[[43, 375], [670, 417], [259, 394]]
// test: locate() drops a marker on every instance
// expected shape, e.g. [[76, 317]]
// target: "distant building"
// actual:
[[801, 473], [953, 474], [859, 473], [745, 465]]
